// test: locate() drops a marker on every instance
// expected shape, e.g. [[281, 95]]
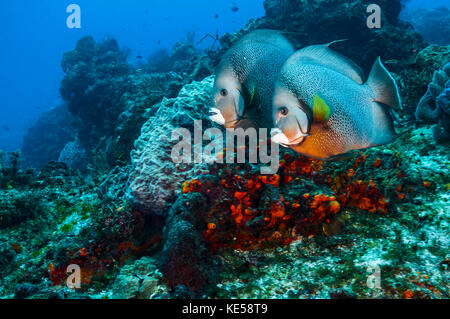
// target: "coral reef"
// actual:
[[18, 206], [412, 257], [10, 174], [140, 226], [145, 91], [107, 101], [305, 198], [185, 59], [60, 218], [7, 254], [434, 107]]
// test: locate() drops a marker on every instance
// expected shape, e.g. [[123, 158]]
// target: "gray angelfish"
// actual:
[[322, 108]]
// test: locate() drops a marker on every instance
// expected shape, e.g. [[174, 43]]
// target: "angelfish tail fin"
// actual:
[[383, 86]]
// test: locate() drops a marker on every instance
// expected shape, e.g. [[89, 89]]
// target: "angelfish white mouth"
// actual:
[[279, 137], [216, 116]]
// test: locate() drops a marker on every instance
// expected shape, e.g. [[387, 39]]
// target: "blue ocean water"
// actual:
[[34, 36]]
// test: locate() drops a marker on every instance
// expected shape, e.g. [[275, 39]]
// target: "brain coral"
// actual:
[[155, 179]]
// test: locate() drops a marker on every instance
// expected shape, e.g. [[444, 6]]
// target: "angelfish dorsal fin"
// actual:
[[323, 55], [321, 110]]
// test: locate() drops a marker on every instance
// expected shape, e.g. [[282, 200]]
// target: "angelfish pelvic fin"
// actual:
[[248, 94], [321, 110]]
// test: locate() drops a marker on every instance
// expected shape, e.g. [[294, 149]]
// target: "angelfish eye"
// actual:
[[223, 92], [284, 111]]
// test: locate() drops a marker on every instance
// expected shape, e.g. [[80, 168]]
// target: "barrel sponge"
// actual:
[[156, 180], [434, 107]]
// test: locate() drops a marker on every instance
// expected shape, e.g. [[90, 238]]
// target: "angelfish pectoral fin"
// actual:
[[252, 95], [321, 110]]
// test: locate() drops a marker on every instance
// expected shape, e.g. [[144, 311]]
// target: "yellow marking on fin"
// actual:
[[321, 111]]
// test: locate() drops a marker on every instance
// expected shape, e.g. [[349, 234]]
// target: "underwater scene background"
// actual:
[[88, 186]]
